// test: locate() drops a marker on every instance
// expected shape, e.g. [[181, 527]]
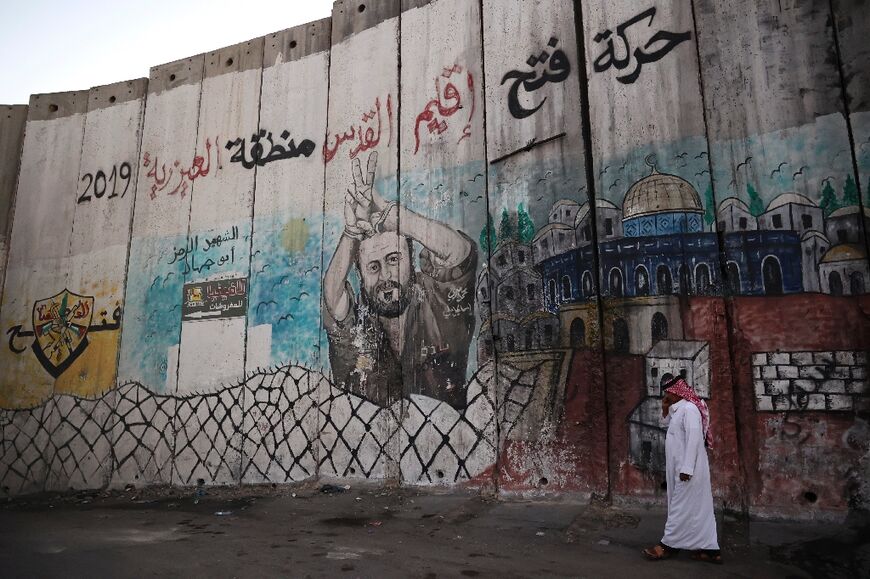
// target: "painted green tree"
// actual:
[[525, 225], [850, 192], [756, 205], [710, 209], [829, 202], [487, 236], [507, 229]]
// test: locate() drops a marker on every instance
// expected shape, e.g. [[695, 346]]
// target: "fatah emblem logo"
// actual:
[[61, 325]]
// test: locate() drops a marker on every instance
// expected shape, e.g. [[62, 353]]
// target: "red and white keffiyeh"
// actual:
[[682, 389]]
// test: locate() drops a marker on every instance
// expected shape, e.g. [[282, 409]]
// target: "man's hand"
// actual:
[[666, 407], [364, 209], [685, 477]]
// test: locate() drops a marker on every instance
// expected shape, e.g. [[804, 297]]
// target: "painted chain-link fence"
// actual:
[[277, 426]]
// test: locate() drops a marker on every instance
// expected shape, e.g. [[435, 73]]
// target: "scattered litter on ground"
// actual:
[[223, 513], [376, 523], [603, 542]]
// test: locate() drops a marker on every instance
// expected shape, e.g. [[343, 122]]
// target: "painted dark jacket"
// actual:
[[438, 330]]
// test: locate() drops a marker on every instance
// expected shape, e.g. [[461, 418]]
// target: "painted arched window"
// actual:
[[835, 282], [616, 283], [771, 274], [621, 338], [551, 290], [732, 278], [530, 338], [664, 283], [511, 344], [702, 279], [641, 281], [588, 290], [566, 288], [578, 333], [856, 283], [685, 280], [659, 327]]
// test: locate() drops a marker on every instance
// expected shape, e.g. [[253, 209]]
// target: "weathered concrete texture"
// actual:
[[779, 56], [852, 29], [284, 303], [443, 148], [12, 121], [297, 42], [779, 141], [212, 351], [97, 265], [651, 165], [356, 253], [537, 165], [40, 238], [364, 77], [174, 74], [152, 324], [350, 17], [852, 22]]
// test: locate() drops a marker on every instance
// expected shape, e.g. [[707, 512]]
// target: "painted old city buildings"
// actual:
[[540, 292]]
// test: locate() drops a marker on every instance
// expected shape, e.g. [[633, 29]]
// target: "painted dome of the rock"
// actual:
[[660, 192]]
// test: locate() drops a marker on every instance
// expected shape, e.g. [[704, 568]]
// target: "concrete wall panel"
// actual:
[[97, 268], [779, 145], [852, 29], [284, 308], [212, 348], [656, 228], [443, 210], [362, 130], [37, 270], [536, 190], [151, 329], [40, 239], [12, 120]]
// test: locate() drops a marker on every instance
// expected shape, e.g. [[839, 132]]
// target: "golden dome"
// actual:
[[845, 252], [659, 193]]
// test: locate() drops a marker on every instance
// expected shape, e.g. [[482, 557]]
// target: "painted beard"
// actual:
[[390, 299]]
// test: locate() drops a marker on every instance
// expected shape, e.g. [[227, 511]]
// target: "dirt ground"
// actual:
[[369, 531]]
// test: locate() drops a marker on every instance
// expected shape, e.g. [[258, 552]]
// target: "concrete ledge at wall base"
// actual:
[[829, 381]]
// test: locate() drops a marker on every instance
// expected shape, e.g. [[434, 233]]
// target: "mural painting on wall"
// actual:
[[414, 315], [61, 325], [398, 302]]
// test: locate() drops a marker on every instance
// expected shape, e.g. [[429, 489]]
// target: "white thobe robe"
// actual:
[[691, 524]]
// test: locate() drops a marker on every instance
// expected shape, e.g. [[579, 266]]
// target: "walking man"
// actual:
[[691, 523]]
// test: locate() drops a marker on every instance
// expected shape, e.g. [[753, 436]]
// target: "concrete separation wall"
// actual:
[[439, 242]]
